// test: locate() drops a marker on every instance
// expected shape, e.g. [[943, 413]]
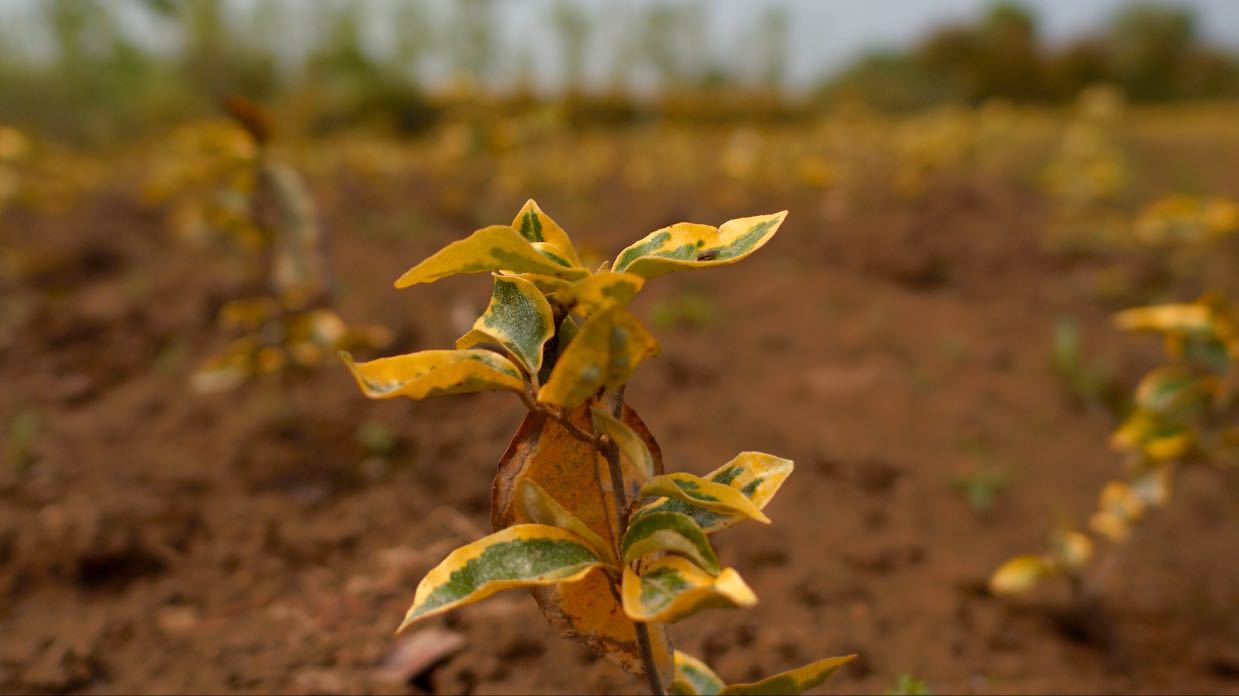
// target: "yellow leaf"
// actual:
[[552, 252], [1019, 575], [604, 353], [1072, 550], [687, 245], [1110, 526], [494, 248], [630, 445], [1169, 388], [795, 681], [605, 289], [524, 555], [543, 452], [756, 475], [694, 678], [536, 226], [248, 313], [1157, 438], [1119, 499], [672, 588], [1172, 318], [518, 318], [539, 507], [435, 373], [701, 492]]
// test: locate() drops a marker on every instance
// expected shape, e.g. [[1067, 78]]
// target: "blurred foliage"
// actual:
[[909, 685], [92, 70], [1152, 53]]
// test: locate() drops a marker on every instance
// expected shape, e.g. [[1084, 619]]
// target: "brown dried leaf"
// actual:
[[588, 611]]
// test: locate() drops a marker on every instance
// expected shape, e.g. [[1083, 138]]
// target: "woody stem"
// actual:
[[611, 453]]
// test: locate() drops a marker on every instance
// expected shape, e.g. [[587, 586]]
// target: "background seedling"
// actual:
[[292, 327], [909, 685]]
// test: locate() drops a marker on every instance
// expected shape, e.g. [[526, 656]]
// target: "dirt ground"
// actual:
[[164, 541]]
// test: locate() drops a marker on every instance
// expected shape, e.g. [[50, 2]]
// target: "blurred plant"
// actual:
[[612, 548], [1182, 219], [1088, 382], [1183, 412], [292, 327], [909, 685], [205, 178], [1088, 173], [928, 145], [982, 485]]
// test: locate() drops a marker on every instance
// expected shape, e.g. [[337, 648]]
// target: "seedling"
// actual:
[[982, 485], [613, 548], [909, 685], [1088, 174], [1183, 412], [293, 327], [1089, 382]]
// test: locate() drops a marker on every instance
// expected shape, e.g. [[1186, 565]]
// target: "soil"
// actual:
[[158, 540]]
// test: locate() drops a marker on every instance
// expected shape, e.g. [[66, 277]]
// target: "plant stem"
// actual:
[[611, 453]]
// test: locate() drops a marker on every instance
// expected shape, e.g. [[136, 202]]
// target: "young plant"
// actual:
[[613, 548], [1183, 412], [1088, 174], [292, 327]]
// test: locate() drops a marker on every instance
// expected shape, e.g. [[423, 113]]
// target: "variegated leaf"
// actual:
[[694, 678], [552, 252], [672, 588], [524, 555], [536, 226], [1169, 388], [543, 452], [671, 532], [756, 475], [704, 493], [518, 318], [490, 249], [791, 682], [1158, 438], [605, 289], [604, 353], [1020, 574], [630, 445], [539, 507], [687, 245], [435, 373]]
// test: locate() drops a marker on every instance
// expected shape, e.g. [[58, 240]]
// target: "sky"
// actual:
[[824, 34]]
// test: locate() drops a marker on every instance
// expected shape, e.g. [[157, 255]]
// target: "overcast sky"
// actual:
[[825, 34]]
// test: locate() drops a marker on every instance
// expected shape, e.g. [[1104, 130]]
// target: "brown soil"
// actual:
[[162, 541]]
